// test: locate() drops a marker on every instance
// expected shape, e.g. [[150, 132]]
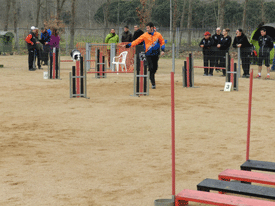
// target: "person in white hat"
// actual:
[[31, 43]]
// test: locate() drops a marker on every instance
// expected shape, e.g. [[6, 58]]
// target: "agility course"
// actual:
[[115, 149]]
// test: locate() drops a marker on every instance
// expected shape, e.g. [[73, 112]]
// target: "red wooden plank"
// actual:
[[247, 176], [217, 199]]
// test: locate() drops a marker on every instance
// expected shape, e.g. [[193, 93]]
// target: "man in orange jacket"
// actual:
[[153, 43]]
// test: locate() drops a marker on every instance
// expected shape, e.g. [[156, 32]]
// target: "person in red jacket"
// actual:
[[153, 43], [31, 43]]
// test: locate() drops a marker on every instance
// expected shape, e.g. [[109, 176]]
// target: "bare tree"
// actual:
[[39, 4], [175, 18], [59, 6], [189, 23], [182, 18], [14, 15], [72, 24], [145, 12], [221, 14], [262, 11], [244, 14], [6, 24]]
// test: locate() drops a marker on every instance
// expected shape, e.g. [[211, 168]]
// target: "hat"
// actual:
[[207, 33], [33, 27]]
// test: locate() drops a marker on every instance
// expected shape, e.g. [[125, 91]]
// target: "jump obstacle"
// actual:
[[224, 185], [231, 72], [78, 78], [54, 70]]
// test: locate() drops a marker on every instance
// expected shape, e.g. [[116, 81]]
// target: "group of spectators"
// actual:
[[215, 48], [127, 36], [40, 49]]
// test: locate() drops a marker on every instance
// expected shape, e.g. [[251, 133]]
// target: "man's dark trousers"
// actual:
[[152, 62]]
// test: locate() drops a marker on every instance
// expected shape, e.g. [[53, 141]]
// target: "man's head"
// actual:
[[33, 28], [218, 31], [42, 30], [263, 32], [126, 28], [207, 35], [239, 32], [113, 31], [136, 27], [150, 27]]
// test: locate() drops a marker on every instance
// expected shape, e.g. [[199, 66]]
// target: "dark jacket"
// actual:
[[265, 43], [216, 38], [126, 37], [225, 43], [137, 34], [45, 37], [31, 40], [241, 40], [208, 46]]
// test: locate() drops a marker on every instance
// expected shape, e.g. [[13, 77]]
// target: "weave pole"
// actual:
[[249, 115], [173, 134]]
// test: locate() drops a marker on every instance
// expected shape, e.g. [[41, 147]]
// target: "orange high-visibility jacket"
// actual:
[[153, 42]]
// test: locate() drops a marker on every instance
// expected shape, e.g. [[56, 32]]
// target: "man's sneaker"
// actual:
[[32, 69], [268, 76], [210, 75], [247, 76], [153, 86], [205, 74], [258, 76]]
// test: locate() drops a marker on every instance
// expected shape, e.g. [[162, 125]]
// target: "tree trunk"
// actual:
[[175, 18], [182, 19], [221, 14], [14, 15], [38, 12], [244, 14], [6, 24], [189, 23], [72, 24], [262, 11]]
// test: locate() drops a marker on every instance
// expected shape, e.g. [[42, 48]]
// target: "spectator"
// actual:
[[216, 50], [240, 41], [45, 38], [208, 55], [223, 45], [31, 43], [137, 33], [126, 35], [266, 45], [54, 43], [38, 49], [112, 37], [153, 42]]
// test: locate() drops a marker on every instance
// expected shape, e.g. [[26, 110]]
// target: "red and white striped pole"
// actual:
[[173, 133], [54, 62], [249, 115]]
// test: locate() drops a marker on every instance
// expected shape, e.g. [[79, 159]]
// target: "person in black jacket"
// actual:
[[266, 45], [137, 33], [223, 45], [31, 43], [208, 55], [126, 35], [218, 57], [241, 42]]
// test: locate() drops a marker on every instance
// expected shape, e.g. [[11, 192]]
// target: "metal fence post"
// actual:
[[173, 57], [112, 55], [87, 57], [239, 62]]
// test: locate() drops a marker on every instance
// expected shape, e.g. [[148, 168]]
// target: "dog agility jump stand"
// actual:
[[78, 80], [54, 72], [188, 72], [100, 65], [141, 76]]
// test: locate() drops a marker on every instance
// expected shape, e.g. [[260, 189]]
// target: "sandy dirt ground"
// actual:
[[114, 149]]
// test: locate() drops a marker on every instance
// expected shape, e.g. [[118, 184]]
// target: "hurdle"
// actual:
[[54, 71], [141, 75], [78, 80], [188, 72]]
